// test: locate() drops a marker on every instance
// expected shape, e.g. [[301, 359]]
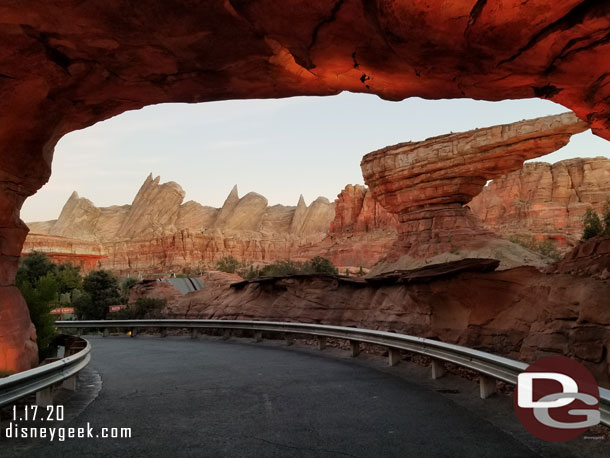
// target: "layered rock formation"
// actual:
[[427, 184], [357, 211], [67, 66], [361, 233], [545, 200], [590, 258], [520, 313], [86, 254], [158, 233]]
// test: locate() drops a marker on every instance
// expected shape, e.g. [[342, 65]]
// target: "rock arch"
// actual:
[[68, 64]]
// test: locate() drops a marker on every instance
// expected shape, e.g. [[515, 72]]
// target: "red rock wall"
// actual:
[[67, 66], [547, 200], [520, 313], [357, 211]]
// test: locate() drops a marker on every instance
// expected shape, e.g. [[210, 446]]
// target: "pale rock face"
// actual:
[[318, 217], [194, 216], [545, 200], [278, 218], [227, 208], [299, 216], [78, 219], [154, 210], [247, 214]]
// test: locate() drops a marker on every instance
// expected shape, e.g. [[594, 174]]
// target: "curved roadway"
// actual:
[[228, 399]]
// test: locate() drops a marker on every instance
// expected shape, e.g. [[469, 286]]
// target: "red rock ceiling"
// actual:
[[67, 64]]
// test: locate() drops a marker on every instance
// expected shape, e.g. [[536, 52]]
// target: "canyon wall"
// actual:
[[520, 313], [545, 200], [68, 65], [427, 184]]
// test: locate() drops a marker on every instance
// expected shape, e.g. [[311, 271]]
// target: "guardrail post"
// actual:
[[105, 332], [134, 332], [354, 348], [321, 342], [487, 386], [163, 332], [70, 383], [79, 332], [258, 336], [289, 339], [194, 333], [393, 356], [437, 369], [226, 334], [44, 397]]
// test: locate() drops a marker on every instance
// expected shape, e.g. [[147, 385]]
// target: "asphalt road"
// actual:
[[210, 398]]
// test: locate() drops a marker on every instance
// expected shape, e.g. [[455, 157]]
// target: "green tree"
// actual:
[[68, 278], [126, 286], [321, 265], [41, 297], [102, 290], [34, 266], [592, 224]]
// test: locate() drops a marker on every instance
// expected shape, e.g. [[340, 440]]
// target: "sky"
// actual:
[[280, 148]]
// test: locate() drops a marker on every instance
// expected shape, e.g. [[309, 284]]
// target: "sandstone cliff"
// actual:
[[158, 211], [158, 233], [546, 200], [520, 313], [426, 184]]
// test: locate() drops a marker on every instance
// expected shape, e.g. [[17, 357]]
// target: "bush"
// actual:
[[41, 298], [228, 264], [102, 290], [143, 309], [546, 248], [320, 265], [592, 224]]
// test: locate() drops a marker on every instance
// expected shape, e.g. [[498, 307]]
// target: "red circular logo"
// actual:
[[557, 399]]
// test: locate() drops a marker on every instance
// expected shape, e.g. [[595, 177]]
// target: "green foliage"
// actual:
[[228, 264], [320, 265], [144, 308], [250, 272], [39, 286], [102, 290], [33, 266], [68, 277], [592, 224], [127, 284], [283, 268], [545, 248]]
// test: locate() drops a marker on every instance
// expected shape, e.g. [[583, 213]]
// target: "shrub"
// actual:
[[592, 224], [321, 265], [102, 290], [228, 264], [281, 269], [545, 248], [144, 308], [41, 299]]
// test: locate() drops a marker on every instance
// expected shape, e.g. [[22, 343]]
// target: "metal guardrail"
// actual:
[[41, 380], [489, 366]]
